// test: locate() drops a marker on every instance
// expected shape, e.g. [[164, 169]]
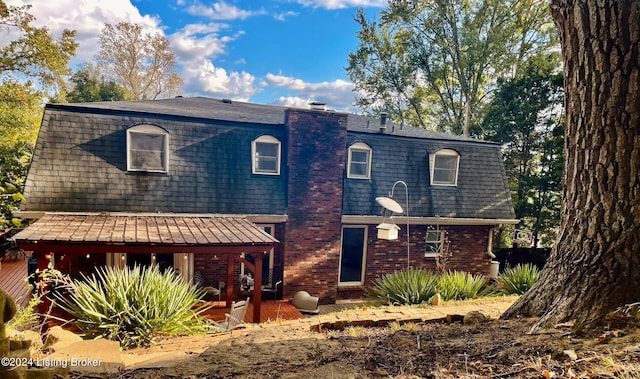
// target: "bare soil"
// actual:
[[485, 349]]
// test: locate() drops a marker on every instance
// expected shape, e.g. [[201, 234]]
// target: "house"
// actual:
[[193, 183]]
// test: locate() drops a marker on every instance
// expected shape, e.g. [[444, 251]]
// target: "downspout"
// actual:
[[494, 269]]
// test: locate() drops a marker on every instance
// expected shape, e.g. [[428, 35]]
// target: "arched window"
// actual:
[[265, 151], [147, 149], [359, 165], [444, 167]]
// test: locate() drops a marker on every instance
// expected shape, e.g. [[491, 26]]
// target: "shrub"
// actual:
[[405, 287], [131, 306], [458, 285], [518, 280], [26, 318]]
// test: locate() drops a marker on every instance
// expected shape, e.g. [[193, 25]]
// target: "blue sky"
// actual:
[[286, 52]]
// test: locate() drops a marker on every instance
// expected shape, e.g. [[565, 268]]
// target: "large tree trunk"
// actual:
[[595, 265]]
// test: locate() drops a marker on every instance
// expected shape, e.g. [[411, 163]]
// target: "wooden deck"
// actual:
[[271, 310], [12, 279]]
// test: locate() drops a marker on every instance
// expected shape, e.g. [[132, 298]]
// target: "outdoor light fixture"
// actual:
[[389, 231]]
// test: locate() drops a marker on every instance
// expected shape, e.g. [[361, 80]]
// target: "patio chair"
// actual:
[[235, 318], [305, 302], [274, 289]]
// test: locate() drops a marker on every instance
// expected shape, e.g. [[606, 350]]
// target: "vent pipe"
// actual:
[[383, 122]]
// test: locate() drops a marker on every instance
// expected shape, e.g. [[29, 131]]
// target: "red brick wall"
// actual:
[[316, 154], [468, 247]]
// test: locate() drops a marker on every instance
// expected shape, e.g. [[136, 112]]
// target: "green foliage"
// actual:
[[20, 113], [417, 286], [414, 286], [34, 53], [26, 318], [434, 63], [14, 164], [525, 115], [518, 280], [87, 87], [133, 305], [457, 285]]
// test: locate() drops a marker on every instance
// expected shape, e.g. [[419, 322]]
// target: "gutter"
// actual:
[[357, 219]]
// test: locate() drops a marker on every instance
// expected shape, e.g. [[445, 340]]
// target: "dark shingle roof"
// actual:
[[79, 163], [237, 111]]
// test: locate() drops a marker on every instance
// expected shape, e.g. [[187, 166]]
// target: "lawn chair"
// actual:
[[235, 318]]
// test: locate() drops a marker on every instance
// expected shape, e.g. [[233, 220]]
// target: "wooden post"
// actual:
[[230, 262], [257, 287]]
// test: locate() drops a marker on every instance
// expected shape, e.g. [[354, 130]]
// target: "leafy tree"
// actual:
[[140, 62], [87, 87], [525, 116], [432, 63], [31, 55], [34, 53], [593, 268], [14, 164]]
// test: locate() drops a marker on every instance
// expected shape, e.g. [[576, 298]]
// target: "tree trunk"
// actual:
[[595, 266]]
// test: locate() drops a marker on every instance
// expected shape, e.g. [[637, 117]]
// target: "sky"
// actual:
[[285, 52]]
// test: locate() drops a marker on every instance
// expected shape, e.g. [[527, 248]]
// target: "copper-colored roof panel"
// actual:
[[161, 229]]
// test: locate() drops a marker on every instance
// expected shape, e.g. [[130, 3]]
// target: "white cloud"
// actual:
[[198, 41], [337, 94], [87, 18], [341, 4], [205, 78], [284, 15], [221, 11], [196, 46]]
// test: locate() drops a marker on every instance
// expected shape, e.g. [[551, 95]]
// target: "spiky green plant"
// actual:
[[518, 280], [458, 285], [414, 286], [133, 305]]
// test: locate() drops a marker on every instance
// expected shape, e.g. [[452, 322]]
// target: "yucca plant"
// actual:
[[133, 305], [518, 280], [414, 286], [458, 285]]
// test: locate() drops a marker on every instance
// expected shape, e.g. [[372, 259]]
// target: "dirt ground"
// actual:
[[483, 349], [488, 349]]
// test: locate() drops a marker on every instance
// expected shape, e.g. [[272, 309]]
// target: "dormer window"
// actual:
[[359, 166], [444, 167], [147, 149], [266, 155]]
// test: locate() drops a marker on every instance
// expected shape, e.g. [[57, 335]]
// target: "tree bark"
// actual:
[[595, 265]]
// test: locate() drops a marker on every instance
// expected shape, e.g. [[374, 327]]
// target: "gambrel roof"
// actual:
[[79, 163]]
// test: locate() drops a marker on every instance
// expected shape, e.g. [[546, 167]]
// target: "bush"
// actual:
[[414, 286], [418, 286], [131, 306], [458, 285], [518, 280]]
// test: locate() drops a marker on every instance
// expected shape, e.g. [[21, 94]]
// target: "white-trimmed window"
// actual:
[[359, 166], [444, 167], [353, 254], [147, 149], [265, 151], [434, 243]]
